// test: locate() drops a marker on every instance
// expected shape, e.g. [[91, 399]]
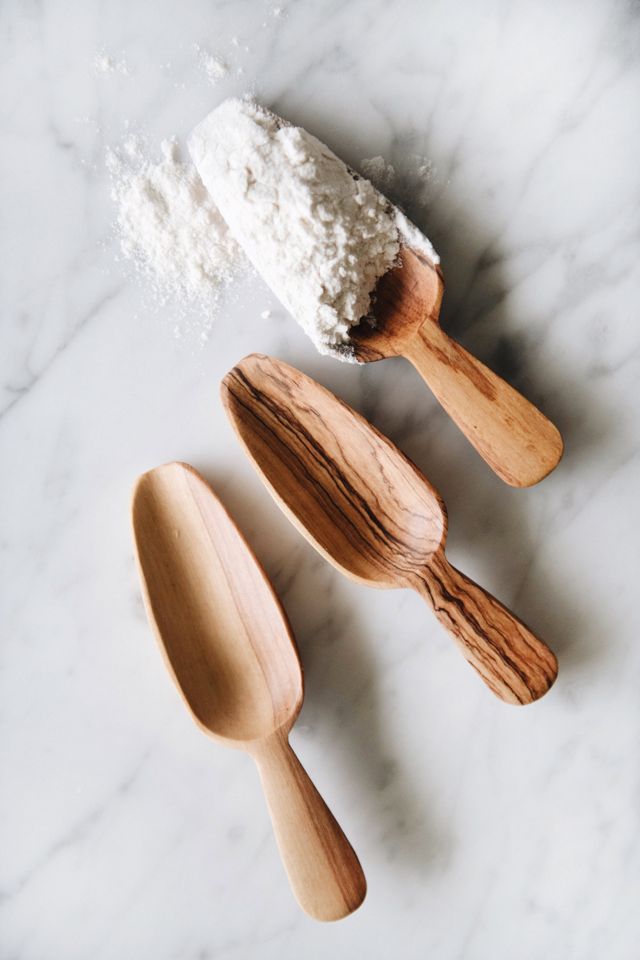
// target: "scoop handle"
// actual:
[[323, 869], [517, 441], [516, 665]]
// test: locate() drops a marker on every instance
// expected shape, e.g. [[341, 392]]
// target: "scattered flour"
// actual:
[[424, 167], [381, 173], [320, 236], [105, 63], [133, 147], [215, 68], [413, 186], [170, 228]]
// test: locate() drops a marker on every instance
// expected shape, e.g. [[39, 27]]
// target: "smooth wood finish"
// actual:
[[370, 512], [229, 648], [517, 441]]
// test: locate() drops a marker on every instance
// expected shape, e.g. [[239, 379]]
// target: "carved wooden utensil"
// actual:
[[515, 439], [229, 648], [371, 513]]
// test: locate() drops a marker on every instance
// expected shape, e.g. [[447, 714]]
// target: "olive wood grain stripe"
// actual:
[[306, 459], [511, 660], [370, 511]]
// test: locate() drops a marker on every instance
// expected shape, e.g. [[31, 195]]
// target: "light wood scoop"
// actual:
[[370, 512], [229, 648], [515, 439]]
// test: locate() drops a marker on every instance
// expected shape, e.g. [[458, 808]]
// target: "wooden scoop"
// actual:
[[515, 439], [229, 648], [371, 513]]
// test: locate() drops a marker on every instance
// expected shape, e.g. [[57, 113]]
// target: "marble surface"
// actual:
[[485, 831]]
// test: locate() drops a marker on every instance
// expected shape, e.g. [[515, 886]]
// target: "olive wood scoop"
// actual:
[[229, 647], [513, 436], [369, 511]]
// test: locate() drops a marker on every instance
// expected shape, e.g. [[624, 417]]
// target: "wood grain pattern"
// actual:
[[368, 509], [229, 648], [511, 660], [517, 441]]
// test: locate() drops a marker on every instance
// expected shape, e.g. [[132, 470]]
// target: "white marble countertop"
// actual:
[[485, 831]]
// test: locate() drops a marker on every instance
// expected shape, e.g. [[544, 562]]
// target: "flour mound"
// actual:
[[319, 236], [170, 228]]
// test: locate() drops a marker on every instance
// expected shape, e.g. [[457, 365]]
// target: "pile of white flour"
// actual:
[[170, 228], [320, 235]]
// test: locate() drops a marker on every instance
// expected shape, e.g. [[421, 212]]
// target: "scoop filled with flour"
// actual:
[[320, 235]]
